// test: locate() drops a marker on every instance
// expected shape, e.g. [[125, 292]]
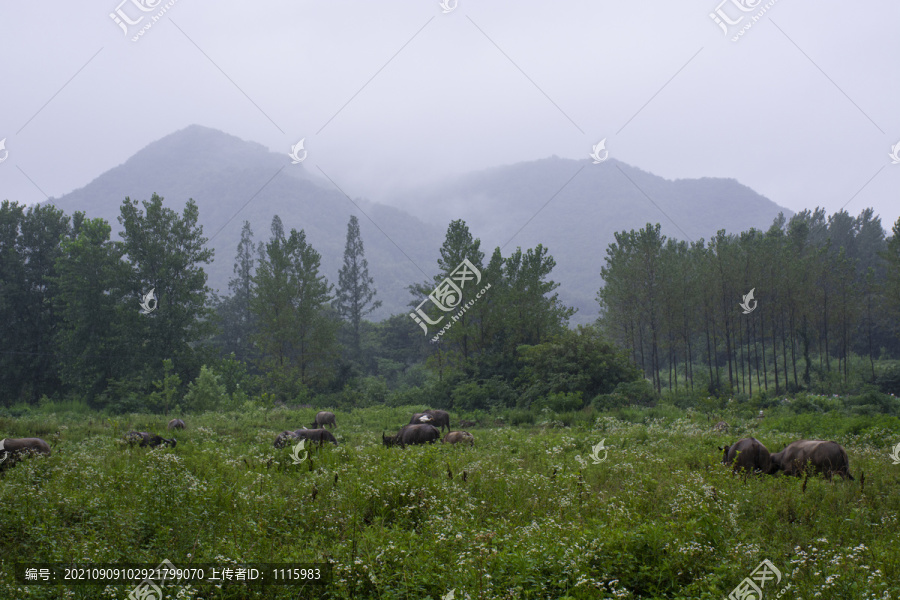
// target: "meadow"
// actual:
[[526, 513]]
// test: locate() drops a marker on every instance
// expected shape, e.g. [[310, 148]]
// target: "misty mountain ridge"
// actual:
[[572, 207]]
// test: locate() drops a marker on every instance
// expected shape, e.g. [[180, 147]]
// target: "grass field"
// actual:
[[524, 514]]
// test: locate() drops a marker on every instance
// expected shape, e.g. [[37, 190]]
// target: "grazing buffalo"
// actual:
[[465, 423], [821, 457], [323, 418], [412, 434], [176, 424], [721, 426], [12, 448], [315, 435], [748, 455], [456, 437], [437, 418], [285, 437], [142, 438]]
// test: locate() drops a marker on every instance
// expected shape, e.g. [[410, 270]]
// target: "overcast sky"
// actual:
[[803, 107]]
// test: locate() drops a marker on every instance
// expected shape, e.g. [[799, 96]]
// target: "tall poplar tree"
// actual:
[[355, 295]]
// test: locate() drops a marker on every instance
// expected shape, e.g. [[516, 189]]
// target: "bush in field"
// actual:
[[888, 379], [471, 396], [206, 392], [609, 401], [407, 396], [373, 391], [163, 399], [491, 394], [638, 392], [124, 395], [562, 402], [574, 361], [872, 402]]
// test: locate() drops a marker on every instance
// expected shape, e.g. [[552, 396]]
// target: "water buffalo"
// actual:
[[437, 418], [176, 424], [465, 423], [285, 437], [315, 435], [148, 439], [12, 448], [822, 457], [412, 434], [748, 455], [456, 437], [323, 418]]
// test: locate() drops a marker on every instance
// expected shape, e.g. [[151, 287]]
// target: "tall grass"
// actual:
[[524, 514]]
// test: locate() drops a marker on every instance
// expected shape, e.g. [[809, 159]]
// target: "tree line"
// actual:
[[826, 291], [70, 298]]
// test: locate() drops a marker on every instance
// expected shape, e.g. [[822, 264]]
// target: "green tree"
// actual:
[[296, 336], [354, 298], [97, 311], [166, 252], [166, 388], [205, 393], [574, 362], [235, 313]]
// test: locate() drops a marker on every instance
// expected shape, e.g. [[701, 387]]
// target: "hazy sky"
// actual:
[[803, 108]]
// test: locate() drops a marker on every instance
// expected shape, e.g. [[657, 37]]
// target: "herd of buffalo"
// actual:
[[748, 455], [811, 456]]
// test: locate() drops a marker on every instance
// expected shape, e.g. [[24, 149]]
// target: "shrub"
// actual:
[[888, 380], [206, 392], [562, 402], [638, 392]]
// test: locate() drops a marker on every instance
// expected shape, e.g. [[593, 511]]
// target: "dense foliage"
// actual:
[[825, 292]]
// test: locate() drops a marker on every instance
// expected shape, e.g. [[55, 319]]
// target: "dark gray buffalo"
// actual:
[[749, 455], [285, 437], [143, 439], [323, 418], [315, 435], [820, 456], [412, 434], [459, 437], [13, 448], [176, 424], [437, 418]]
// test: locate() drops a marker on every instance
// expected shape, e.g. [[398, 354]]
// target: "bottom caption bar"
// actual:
[[149, 577]]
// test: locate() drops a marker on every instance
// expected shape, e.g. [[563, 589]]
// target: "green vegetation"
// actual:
[[523, 514], [825, 307]]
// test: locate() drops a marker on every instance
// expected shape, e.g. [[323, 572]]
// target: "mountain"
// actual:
[[574, 207], [233, 181], [571, 207]]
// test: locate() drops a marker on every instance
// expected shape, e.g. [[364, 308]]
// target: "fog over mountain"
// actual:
[[573, 207]]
